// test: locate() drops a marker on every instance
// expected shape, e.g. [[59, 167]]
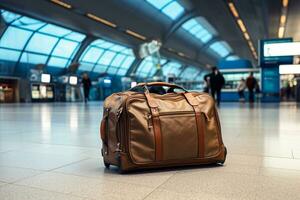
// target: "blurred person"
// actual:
[[241, 88], [206, 83], [251, 83], [288, 91], [86, 82], [216, 81]]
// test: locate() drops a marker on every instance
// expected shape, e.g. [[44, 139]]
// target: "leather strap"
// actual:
[[156, 127], [200, 123]]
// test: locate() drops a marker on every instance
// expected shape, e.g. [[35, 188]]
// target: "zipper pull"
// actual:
[[149, 119]]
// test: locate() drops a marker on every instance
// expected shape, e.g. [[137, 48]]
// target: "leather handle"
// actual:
[[102, 129], [161, 84]]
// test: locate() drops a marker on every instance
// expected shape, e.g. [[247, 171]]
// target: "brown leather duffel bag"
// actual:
[[147, 130]]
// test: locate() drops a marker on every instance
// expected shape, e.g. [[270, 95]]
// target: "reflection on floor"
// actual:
[[51, 151]]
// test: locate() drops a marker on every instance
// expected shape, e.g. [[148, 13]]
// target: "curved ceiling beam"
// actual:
[[206, 45], [84, 44], [178, 23], [133, 68]]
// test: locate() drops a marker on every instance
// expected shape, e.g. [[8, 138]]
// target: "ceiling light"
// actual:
[[134, 34], [246, 35], [233, 10], [181, 54], [282, 19], [170, 49], [281, 32], [250, 44], [241, 24], [103, 21], [63, 4], [285, 3]]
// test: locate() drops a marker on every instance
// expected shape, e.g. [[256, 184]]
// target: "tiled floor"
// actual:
[[51, 151]]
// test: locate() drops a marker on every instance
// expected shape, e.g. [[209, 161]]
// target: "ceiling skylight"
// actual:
[[171, 8]]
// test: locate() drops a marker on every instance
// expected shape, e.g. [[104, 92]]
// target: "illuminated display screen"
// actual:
[[289, 69], [73, 80], [274, 51], [45, 78], [282, 49], [107, 81]]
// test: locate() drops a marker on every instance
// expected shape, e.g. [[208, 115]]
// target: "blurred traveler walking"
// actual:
[[251, 83], [86, 82], [216, 81], [207, 83], [241, 88]]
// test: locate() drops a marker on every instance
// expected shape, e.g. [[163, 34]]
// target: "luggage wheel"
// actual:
[[223, 161], [106, 165]]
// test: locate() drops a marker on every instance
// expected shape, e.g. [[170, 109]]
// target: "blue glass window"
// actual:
[[86, 66], [170, 8], [54, 30], [65, 48], [28, 23], [200, 29], [190, 73], [33, 58], [39, 42], [9, 55], [14, 38], [118, 60], [147, 68], [100, 68], [58, 62], [231, 58], [122, 72], [221, 48], [171, 68], [106, 57], [9, 16]]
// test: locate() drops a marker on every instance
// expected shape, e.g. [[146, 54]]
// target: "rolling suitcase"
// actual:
[[142, 130]]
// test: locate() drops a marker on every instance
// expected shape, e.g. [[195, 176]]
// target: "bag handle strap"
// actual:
[[145, 85]]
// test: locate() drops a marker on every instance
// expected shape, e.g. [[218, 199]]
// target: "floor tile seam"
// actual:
[[43, 189], [28, 177], [41, 143], [59, 144], [157, 187], [71, 163], [188, 193], [102, 182], [225, 172]]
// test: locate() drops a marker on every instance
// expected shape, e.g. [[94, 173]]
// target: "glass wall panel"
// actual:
[[106, 57], [29, 40]]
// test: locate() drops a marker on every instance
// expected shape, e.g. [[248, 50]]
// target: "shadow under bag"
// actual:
[[142, 130]]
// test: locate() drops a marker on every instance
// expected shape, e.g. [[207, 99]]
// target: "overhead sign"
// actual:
[[282, 49], [270, 55], [289, 69]]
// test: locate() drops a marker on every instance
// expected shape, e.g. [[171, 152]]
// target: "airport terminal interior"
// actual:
[[60, 60]]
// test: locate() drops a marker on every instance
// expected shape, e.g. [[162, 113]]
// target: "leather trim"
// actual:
[[151, 101], [200, 123], [191, 99], [158, 138], [156, 126], [102, 129]]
